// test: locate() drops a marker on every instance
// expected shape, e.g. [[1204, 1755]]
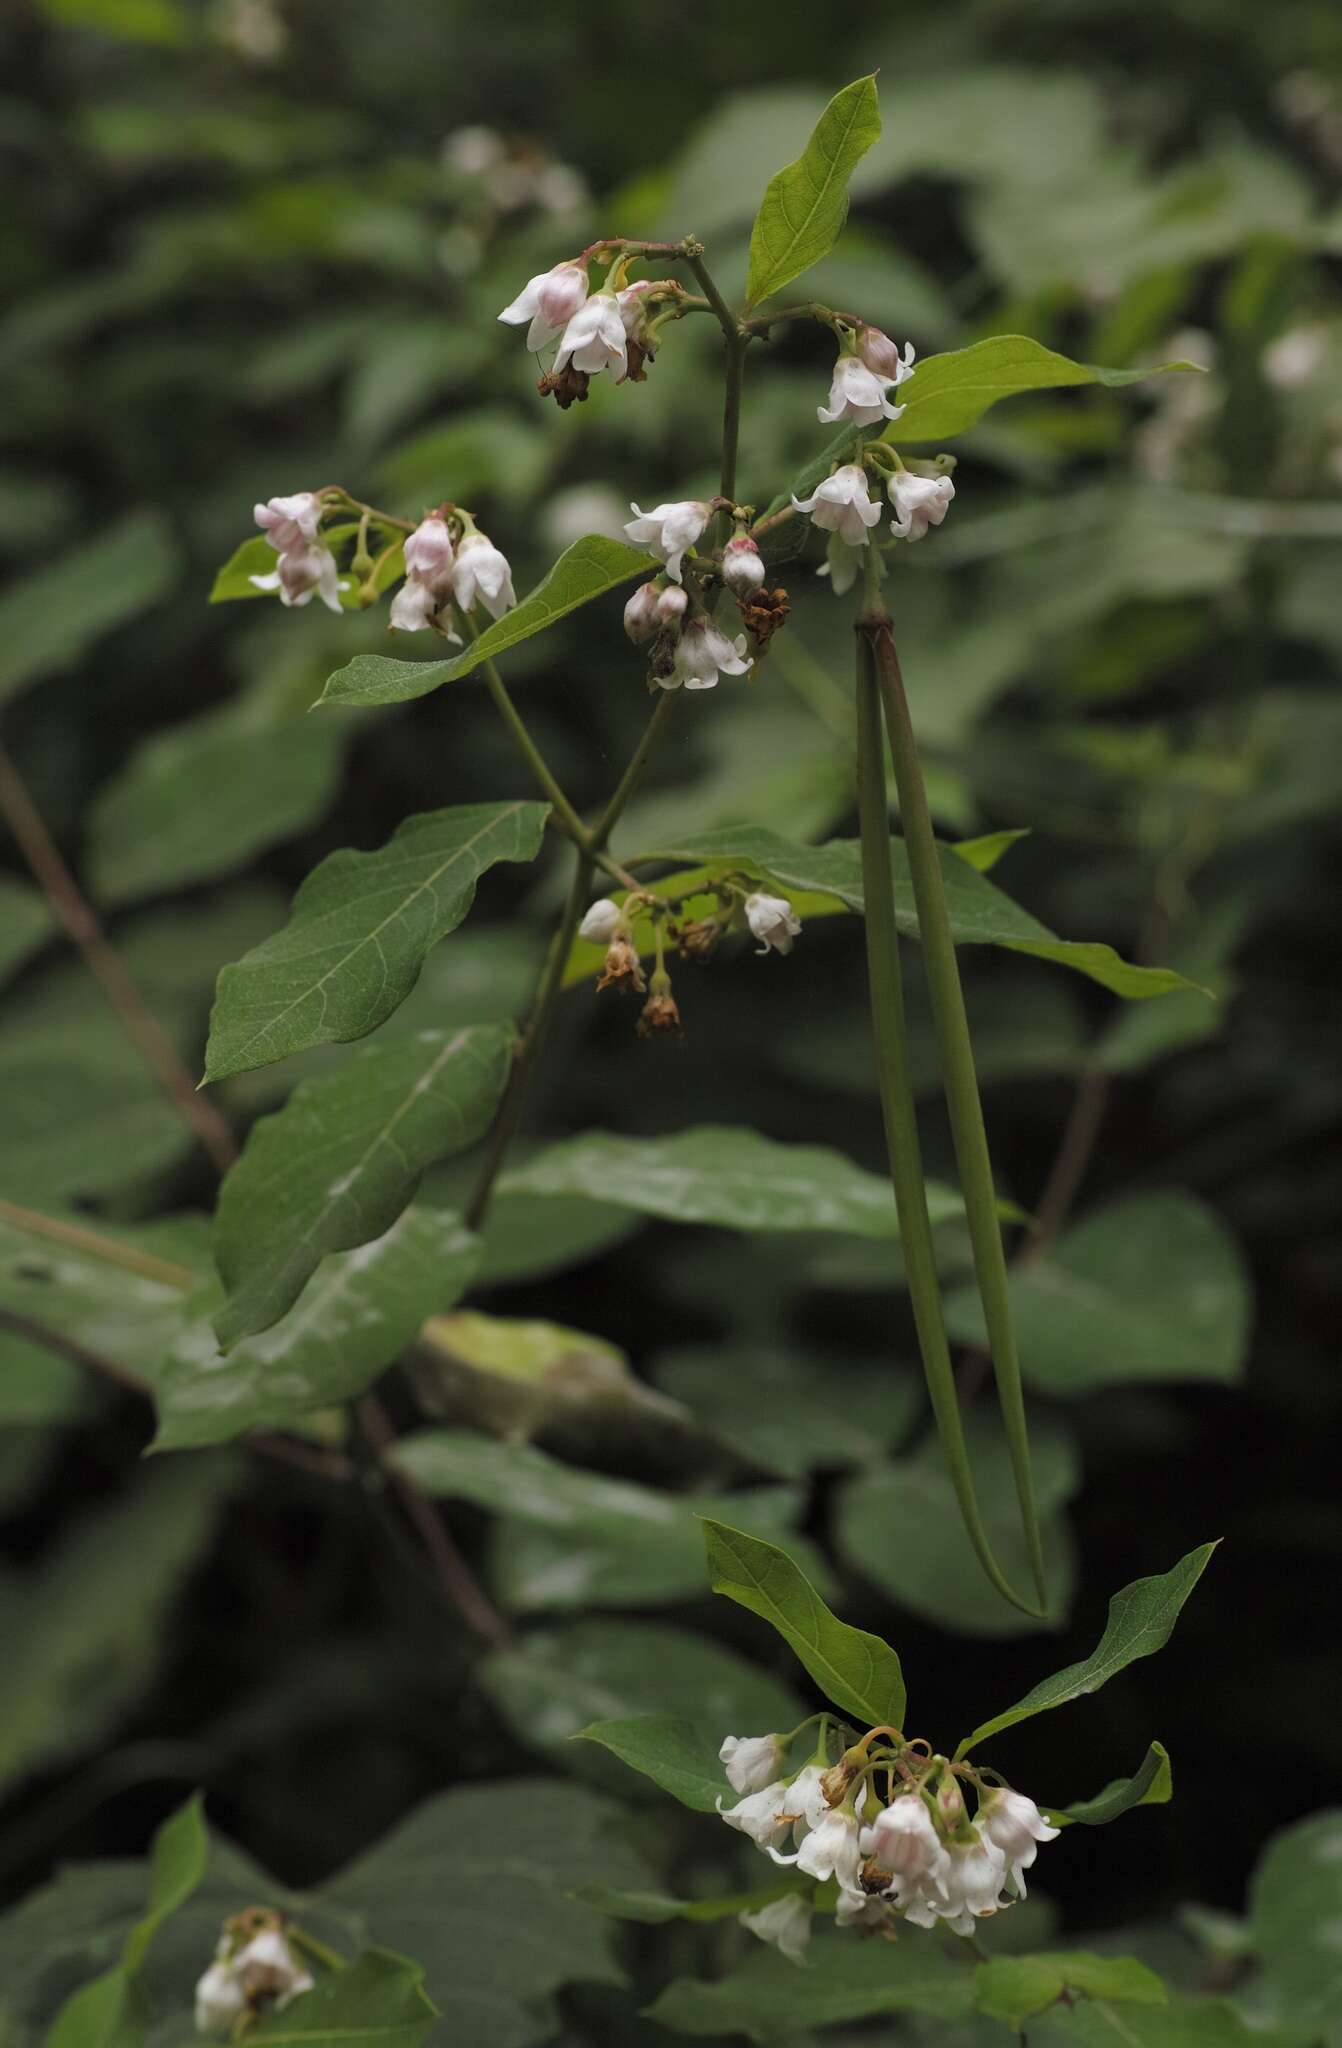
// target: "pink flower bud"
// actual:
[[641, 613], [879, 353], [671, 604], [742, 568]]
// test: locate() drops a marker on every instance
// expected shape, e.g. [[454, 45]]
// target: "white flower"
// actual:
[[973, 1881], [742, 567], [301, 573], [903, 1840], [919, 502], [1294, 359], [855, 1909], [482, 572], [842, 505], [672, 604], [773, 921], [880, 354], [428, 584], [600, 925], [857, 393], [702, 654], [1014, 1825], [220, 2000], [549, 301], [633, 307], [764, 1816], [640, 614], [807, 1801], [785, 1923], [840, 565], [668, 530], [289, 522], [828, 1850], [750, 1761], [594, 338]]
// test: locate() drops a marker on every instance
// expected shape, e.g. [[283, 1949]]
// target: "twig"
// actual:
[[70, 907], [456, 1580], [1070, 1162]]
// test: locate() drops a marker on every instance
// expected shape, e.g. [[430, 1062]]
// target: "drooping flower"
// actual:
[[919, 502], [974, 1877], [549, 301], [220, 2000], [429, 563], [599, 927], [1015, 1826], [765, 1816], [594, 338], [840, 565], [672, 604], [742, 565], [842, 504], [703, 654], [289, 523], [829, 1849], [903, 1840], [880, 354], [857, 1909], [668, 530], [640, 614], [858, 394], [773, 921], [481, 573], [301, 573], [750, 1761], [784, 1923], [260, 1975]]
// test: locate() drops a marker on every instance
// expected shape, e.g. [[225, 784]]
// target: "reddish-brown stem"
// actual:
[[70, 908]]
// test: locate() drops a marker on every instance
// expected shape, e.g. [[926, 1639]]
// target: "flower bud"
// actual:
[[751, 1761], [742, 566], [919, 502], [599, 927], [672, 604], [950, 1805], [641, 614], [880, 355]]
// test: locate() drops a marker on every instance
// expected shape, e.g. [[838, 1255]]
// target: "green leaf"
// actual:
[[256, 557], [776, 1407], [677, 1754], [335, 1167], [859, 1672], [555, 1683], [1011, 1988], [980, 913], [359, 930], [1295, 1910], [199, 799], [354, 1317], [654, 1909], [121, 573], [38, 1386], [806, 204], [588, 569], [1141, 1620], [1188, 2023], [949, 393], [1152, 1784], [177, 1862], [125, 1316], [25, 923], [768, 1999], [718, 1174], [98, 2015], [901, 1527], [1150, 1288], [84, 1629], [377, 2002]]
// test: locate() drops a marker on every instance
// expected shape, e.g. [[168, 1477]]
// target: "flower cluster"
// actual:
[[306, 566], [254, 1972], [615, 328], [440, 574], [888, 1825]]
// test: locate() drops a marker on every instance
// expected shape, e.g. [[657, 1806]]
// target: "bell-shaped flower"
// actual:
[[289, 523], [668, 530], [843, 505], [857, 1909], [919, 502], [220, 1999], [784, 1923], [703, 654], [840, 565], [1014, 1825], [302, 573], [594, 338], [428, 583], [549, 301], [765, 1816], [903, 1840], [481, 574], [806, 1800], [773, 921], [829, 1850], [640, 614], [268, 1971], [672, 604], [599, 927], [974, 1877], [742, 565], [858, 394], [879, 353], [750, 1761]]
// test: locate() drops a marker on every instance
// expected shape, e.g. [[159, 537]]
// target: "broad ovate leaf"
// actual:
[[806, 204], [378, 2001], [336, 1166], [768, 1999], [588, 569], [949, 393], [1013, 1988], [1141, 1620], [1151, 1784], [859, 1672], [358, 933]]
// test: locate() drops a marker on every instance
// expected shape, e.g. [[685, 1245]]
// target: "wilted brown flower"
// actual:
[[621, 969], [567, 386], [660, 1015], [762, 613]]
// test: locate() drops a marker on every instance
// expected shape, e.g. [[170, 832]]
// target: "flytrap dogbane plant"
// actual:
[[705, 611]]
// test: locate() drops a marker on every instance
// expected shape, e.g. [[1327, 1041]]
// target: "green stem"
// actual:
[[633, 774], [957, 1068], [735, 343], [901, 1128]]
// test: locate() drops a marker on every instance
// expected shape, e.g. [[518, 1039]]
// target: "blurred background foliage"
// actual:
[[254, 247]]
